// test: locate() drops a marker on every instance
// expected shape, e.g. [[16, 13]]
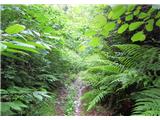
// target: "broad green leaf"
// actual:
[[37, 95], [2, 46], [24, 44], [47, 29], [136, 12], [105, 32], [90, 32], [135, 25], [17, 105], [129, 17], [139, 7], [20, 47], [123, 28], [158, 23], [130, 7], [109, 26], [100, 20], [44, 94], [11, 56], [36, 44], [47, 46], [14, 29], [139, 36], [150, 11], [149, 26], [16, 51], [158, 15], [95, 42], [118, 11], [40, 94], [142, 15], [110, 15]]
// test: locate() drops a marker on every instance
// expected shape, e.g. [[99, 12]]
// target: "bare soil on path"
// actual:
[[79, 110]]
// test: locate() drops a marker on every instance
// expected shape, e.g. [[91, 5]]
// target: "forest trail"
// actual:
[[61, 98], [79, 86], [79, 110]]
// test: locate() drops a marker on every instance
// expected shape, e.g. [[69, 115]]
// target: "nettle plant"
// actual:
[[136, 21], [18, 41]]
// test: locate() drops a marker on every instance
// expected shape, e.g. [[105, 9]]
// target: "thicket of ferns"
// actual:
[[122, 64], [125, 75]]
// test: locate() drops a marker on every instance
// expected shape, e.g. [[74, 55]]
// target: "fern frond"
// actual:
[[110, 69], [147, 57], [107, 79], [130, 49], [100, 95], [147, 102], [91, 79]]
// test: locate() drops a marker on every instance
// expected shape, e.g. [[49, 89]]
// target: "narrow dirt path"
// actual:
[[79, 86], [61, 97], [79, 109]]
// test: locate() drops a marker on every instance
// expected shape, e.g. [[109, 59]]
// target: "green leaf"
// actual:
[[130, 7], [117, 11], [105, 32], [90, 32], [36, 44], [135, 25], [129, 17], [136, 12], [11, 56], [150, 11], [20, 47], [142, 15], [16, 51], [158, 23], [139, 36], [123, 28], [14, 29], [95, 42], [2, 47], [109, 26], [149, 26], [100, 20], [37, 95], [17, 105], [158, 15]]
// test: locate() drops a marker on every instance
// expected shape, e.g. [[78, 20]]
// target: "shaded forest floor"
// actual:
[[79, 109]]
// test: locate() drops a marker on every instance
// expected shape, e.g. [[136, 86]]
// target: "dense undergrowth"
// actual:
[[125, 74], [116, 49], [35, 57]]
